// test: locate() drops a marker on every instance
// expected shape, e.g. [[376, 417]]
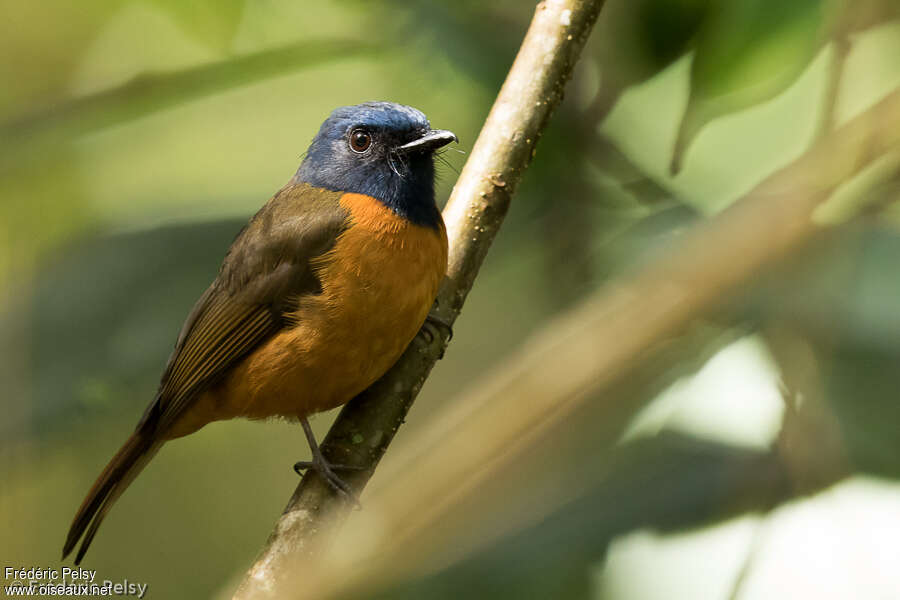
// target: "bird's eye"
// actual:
[[360, 140]]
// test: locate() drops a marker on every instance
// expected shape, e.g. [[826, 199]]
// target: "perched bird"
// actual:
[[316, 298]]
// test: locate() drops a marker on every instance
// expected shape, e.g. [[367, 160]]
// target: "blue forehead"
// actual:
[[380, 115]]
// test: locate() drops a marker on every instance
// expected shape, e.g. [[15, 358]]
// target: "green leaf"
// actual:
[[103, 315], [748, 52], [639, 38]]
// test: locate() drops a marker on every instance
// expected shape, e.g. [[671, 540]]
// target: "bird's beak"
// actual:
[[432, 140]]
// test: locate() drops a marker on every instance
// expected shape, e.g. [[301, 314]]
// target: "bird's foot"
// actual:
[[327, 472], [431, 330], [324, 469]]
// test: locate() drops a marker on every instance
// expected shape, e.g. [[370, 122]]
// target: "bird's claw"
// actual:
[[431, 330], [327, 472], [323, 468], [303, 465]]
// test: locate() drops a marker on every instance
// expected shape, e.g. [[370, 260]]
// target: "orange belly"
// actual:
[[378, 284]]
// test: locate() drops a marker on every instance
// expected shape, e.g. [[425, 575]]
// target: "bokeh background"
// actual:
[[758, 460]]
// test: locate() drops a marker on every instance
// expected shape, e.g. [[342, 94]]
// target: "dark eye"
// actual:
[[360, 140]]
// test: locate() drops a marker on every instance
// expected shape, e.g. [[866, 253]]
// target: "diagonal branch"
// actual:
[[474, 213]]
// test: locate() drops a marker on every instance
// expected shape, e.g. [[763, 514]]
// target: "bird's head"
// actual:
[[379, 149]]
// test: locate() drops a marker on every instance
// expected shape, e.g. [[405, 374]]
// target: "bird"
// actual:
[[316, 298]]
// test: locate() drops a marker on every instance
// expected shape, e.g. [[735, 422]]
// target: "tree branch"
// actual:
[[474, 213]]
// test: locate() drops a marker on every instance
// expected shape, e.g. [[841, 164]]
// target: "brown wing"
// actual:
[[269, 265]]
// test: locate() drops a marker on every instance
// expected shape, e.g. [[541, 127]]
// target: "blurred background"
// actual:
[[757, 457]]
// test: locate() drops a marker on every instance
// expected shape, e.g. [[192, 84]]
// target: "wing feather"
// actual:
[[224, 350], [270, 265], [208, 333]]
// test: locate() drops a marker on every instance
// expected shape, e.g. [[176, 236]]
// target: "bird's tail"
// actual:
[[131, 458]]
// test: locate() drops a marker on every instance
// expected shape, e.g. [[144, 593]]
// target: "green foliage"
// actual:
[[842, 301], [745, 52], [102, 327], [748, 52], [637, 40]]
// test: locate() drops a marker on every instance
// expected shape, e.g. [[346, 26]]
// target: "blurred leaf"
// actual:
[[859, 358], [638, 39], [843, 299], [212, 22], [157, 91], [748, 52], [861, 387], [104, 316]]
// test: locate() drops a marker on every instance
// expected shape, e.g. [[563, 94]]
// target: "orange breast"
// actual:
[[378, 283]]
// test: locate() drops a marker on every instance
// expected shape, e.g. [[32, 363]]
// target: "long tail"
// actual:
[[131, 458]]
